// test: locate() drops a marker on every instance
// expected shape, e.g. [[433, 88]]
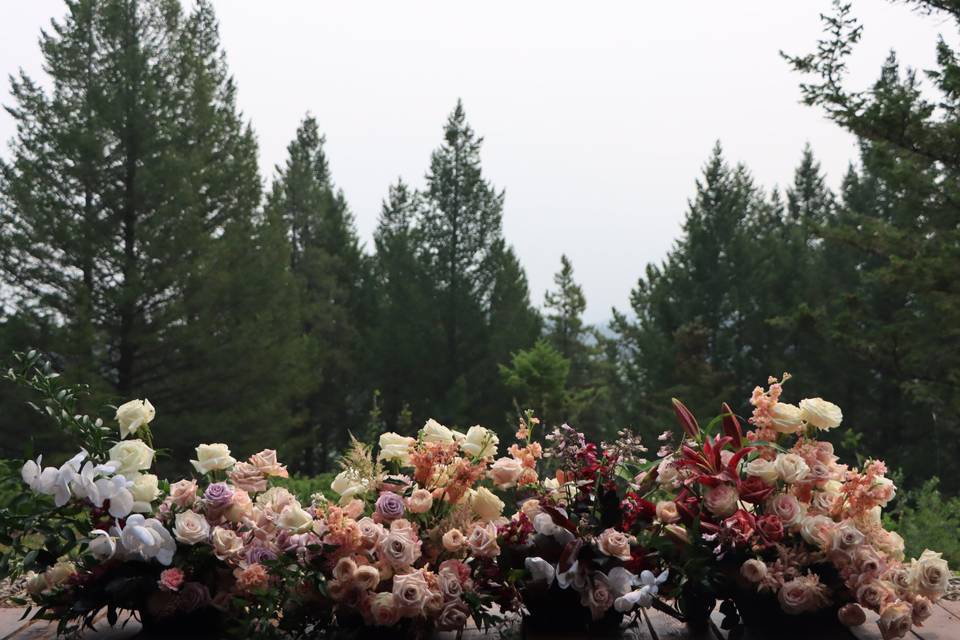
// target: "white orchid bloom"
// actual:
[[540, 569], [85, 486], [621, 581], [642, 597], [117, 491], [544, 525], [148, 538], [102, 545], [573, 577]]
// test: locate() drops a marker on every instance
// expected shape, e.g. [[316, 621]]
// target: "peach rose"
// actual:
[[453, 540], [851, 615], [183, 493], [266, 463], [801, 595], [384, 609], [895, 621], [420, 501], [483, 540], [721, 500], [226, 543], [252, 578], [787, 508], [247, 477], [753, 570], [614, 544], [505, 472], [667, 512]]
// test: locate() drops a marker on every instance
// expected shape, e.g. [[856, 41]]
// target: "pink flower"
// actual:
[[171, 579], [183, 493], [252, 578], [721, 500]]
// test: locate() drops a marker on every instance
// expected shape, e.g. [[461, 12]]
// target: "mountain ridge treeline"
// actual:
[[141, 252]]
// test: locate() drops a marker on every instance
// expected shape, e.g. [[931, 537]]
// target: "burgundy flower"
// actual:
[[754, 490], [770, 527]]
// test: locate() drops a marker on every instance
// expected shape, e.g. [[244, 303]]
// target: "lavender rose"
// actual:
[[218, 495], [390, 506]]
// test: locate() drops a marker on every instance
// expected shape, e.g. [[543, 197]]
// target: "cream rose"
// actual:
[[226, 543], [213, 457], [821, 414], [753, 570], [384, 609], [485, 504], [505, 472], [791, 468], [930, 574], [130, 457], [133, 415], [435, 433], [721, 500], [895, 620], [295, 518], [190, 527], [667, 512], [785, 418], [764, 469], [614, 543], [395, 447], [454, 540], [817, 531], [483, 540], [800, 595], [787, 508], [480, 442], [145, 490], [420, 501]]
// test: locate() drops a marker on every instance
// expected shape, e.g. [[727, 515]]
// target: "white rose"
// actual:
[[130, 457], [766, 470], [753, 570], [785, 418], [817, 531], [133, 415], [930, 574], [190, 527], [434, 432], [348, 484], [820, 413], [486, 505], [394, 446], [213, 457], [667, 473], [295, 518], [480, 442], [226, 543], [791, 468], [145, 490]]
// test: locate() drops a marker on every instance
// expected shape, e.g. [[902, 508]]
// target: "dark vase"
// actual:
[[762, 616], [555, 610], [206, 622]]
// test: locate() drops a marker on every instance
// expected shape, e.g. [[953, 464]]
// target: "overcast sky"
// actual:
[[597, 116]]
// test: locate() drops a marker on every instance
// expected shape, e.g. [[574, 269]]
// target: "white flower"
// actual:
[[117, 491], [642, 597], [753, 570], [621, 581], [394, 446], [668, 474], [145, 490], [133, 415], [544, 525], [485, 504], [540, 570], [764, 469], [191, 528], [294, 518], [130, 457], [348, 484], [791, 468], [212, 457], [480, 442], [148, 539], [84, 484], [820, 413], [434, 432], [785, 418], [102, 545]]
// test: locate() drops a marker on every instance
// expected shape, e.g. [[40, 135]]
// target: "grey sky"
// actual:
[[597, 116]]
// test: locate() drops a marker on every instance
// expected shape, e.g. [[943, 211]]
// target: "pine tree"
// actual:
[[328, 264], [897, 234], [133, 184], [462, 235], [565, 317]]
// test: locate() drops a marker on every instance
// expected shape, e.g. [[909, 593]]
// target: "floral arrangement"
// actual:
[[577, 539], [783, 520], [423, 554]]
